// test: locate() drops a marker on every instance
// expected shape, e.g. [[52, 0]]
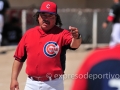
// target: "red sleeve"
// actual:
[[67, 37], [20, 53], [110, 18], [111, 15]]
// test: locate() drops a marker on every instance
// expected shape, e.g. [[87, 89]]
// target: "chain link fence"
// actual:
[[83, 19]]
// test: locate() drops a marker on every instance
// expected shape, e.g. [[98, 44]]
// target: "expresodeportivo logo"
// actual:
[[51, 49]]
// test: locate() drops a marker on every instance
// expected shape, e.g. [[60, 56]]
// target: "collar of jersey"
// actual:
[[44, 33]]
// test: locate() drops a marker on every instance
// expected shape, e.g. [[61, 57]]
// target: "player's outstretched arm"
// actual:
[[14, 85]]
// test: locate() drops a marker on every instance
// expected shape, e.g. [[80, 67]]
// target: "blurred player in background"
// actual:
[[4, 5], [12, 32], [114, 17], [100, 70]]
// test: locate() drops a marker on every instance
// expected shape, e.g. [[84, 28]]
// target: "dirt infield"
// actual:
[[74, 60]]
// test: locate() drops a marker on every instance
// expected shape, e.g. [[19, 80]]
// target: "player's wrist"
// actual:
[[78, 37]]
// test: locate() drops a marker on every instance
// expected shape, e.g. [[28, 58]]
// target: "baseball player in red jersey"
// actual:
[[100, 70], [43, 48], [114, 17]]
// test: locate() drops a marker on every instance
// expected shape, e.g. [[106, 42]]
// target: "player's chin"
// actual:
[[45, 27]]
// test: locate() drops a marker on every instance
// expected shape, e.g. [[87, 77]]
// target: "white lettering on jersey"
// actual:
[[114, 83]]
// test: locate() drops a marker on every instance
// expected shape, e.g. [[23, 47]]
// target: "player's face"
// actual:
[[46, 21]]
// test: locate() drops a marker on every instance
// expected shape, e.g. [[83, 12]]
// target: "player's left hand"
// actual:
[[74, 31]]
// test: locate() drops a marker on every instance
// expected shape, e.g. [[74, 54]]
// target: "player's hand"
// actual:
[[14, 85], [74, 31], [104, 25]]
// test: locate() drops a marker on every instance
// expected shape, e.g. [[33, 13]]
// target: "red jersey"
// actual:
[[42, 50]]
